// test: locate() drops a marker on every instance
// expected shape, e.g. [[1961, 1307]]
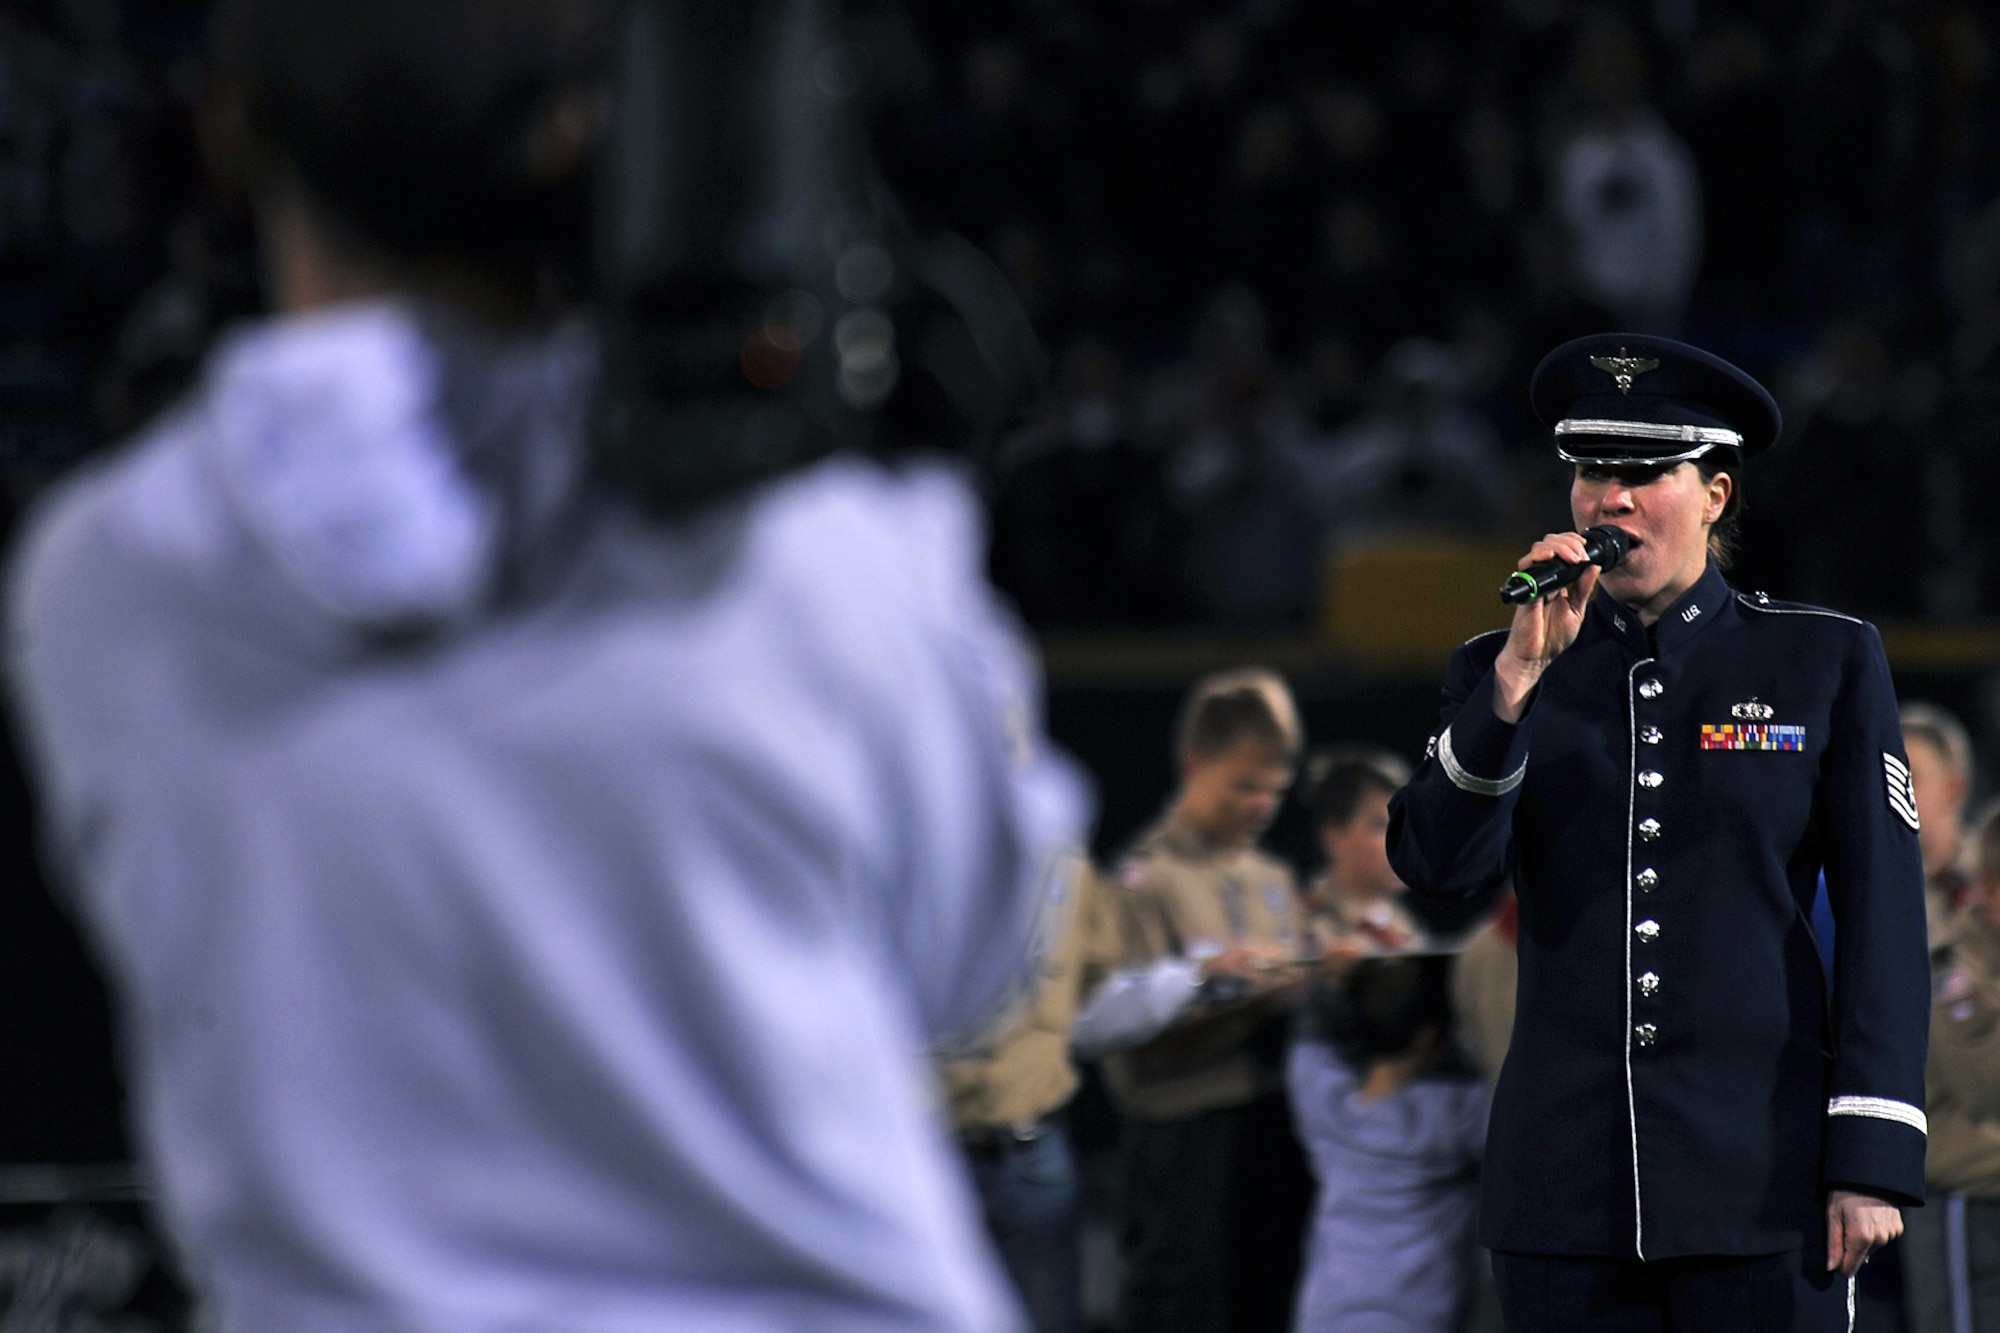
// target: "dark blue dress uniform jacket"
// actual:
[[1684, 1078]]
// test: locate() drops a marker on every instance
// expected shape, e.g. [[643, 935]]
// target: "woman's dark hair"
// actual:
[[1724, 537], [1382, 1005], [1338, 777], [411, 123]]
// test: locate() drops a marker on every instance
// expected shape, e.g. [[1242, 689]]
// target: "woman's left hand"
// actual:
[[1857, 1225]]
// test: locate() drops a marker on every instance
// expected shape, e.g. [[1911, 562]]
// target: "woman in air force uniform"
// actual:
[[1696, 1127]]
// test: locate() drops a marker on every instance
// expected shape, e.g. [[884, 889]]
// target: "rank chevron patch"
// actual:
[[1902, 792]]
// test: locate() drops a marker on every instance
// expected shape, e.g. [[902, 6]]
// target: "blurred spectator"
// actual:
[[1941, 769], [1332, 381], [1627, 188], [1856, 155], [1417, 459], [1848, 403], [34, 74], [1952, 1268], [1007, 1097], [1966, 546], [1083, 525], [530, 908], [1733, 109], [1483, 985], [160, 345], [96, 155], [1483, 981], [1394, 1123], [1231, 440], [1356, 902], [1213, 1190]]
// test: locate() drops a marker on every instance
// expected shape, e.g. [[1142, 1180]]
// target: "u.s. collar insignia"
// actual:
[[1623, 369], [1753, 711]]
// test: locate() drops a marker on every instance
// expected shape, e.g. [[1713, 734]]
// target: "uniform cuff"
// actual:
[[1480, 753], [1879, 1154]]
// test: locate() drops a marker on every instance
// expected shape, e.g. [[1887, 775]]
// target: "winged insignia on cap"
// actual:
[[1624, 369]]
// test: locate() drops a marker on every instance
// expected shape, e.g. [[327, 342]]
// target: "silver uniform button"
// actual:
[[1646, 1034], [1649, 829], [1650, 688], [1652, 735], [1648, 879], [1649, 984], [1649, 779], [1648, 930]]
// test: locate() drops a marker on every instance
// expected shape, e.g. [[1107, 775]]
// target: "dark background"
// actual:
[[1293, 262]]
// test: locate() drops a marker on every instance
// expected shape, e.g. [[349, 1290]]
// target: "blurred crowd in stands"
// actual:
[[1294, 262], [1297, 260]]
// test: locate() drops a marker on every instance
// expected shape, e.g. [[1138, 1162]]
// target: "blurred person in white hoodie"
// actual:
[[529, 908]]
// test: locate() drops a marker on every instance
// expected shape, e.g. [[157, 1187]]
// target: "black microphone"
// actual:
[[1603, 546]]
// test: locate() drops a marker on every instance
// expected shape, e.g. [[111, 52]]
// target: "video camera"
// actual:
[[765, 300]]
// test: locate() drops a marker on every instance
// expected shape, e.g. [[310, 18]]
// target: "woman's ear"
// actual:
[[1719, 487]]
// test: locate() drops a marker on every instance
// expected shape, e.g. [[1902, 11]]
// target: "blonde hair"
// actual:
[[1943, 731], [1248, 703]]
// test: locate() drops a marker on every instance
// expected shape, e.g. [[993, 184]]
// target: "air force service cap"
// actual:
[[1634, 400]]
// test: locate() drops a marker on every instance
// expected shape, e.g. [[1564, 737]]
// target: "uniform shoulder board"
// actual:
[[1763, 601], [1481, 649]]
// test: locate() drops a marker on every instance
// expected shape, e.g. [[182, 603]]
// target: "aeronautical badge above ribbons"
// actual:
[[1902, 792]]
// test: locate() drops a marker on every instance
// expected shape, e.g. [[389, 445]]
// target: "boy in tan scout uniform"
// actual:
[[1956, 1285], [1007, 1098], [1941, 764], [1215, 1190], [1356, 902], [1941, 774]]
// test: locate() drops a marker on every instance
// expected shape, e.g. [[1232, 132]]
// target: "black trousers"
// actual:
[[1768, 1293], [1212, 1213]]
